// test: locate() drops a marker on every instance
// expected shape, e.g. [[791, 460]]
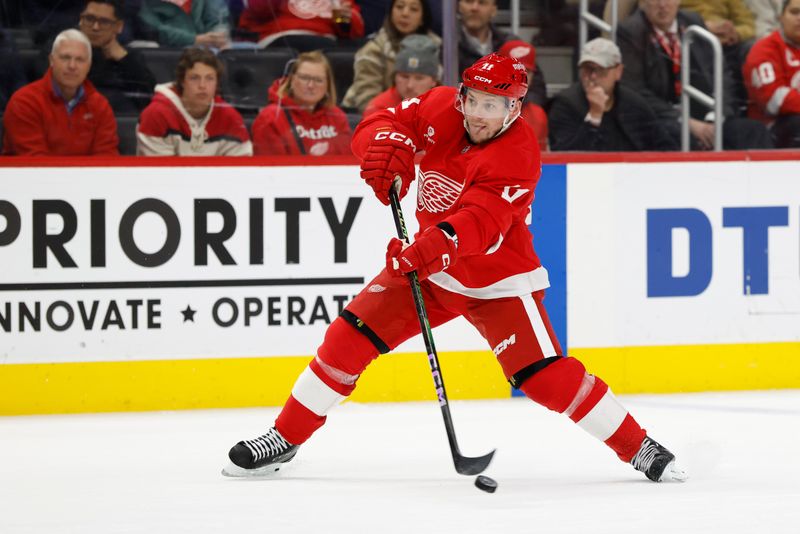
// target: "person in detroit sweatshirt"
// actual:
[[302, 117]]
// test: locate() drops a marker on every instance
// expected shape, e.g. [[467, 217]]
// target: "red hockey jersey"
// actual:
[[772, 76], [322, 132], [299, 17], [484, 191]]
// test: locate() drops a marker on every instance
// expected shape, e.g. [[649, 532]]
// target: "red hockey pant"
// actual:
[[517, 329]]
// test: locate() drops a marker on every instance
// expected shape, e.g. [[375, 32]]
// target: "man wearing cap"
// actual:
[[650, 41], [416, 71], [532, 112], [600, 115]]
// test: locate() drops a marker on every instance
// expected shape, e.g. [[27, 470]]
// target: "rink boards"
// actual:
[[210, 284]]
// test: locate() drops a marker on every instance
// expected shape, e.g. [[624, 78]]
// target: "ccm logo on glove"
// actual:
[[389, 159], [432, 252], [396, 136]]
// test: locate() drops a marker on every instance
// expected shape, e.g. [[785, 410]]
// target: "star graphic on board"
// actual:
[[188, 314]]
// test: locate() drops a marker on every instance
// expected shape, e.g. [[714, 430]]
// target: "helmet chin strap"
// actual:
[[507, 121]]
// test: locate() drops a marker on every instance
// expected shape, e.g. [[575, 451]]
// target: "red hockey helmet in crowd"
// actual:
[[497, 75]]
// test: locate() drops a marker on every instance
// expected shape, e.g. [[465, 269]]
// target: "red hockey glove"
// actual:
[[433, 251], [389, 155]]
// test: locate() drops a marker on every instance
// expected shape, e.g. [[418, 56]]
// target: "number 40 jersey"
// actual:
[[772, 77]]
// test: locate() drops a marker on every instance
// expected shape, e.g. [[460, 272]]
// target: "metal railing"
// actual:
[[449, 43], [687, 91], [515, 16], [586, 19]]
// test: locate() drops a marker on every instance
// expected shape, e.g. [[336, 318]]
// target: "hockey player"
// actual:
[[772, 77], [475, 258]]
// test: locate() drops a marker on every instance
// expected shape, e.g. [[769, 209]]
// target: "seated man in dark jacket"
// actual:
[[599, 114], [118, 73], [650, 40]]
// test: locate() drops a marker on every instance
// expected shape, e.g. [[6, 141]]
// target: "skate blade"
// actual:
[[268, 471], [673, 473]]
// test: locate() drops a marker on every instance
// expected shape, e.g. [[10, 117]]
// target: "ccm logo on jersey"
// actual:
[[396, 136], [503, 345]]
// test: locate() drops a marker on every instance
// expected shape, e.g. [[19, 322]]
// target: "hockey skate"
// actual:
[[657, 463], [261, 456]]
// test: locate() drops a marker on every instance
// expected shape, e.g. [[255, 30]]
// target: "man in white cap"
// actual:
[[598, 114]]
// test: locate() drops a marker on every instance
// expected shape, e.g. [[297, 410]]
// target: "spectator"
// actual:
[[599, 114], [118, 73], [304, 25], [532, 112], [188, 118], [302, 117], [772, 75], [479, 36], [61, 114], [181, 23], [730, 20], [374, 62], [767, 14], [733, 24], [13, 78], [417, 70], [650, 41]]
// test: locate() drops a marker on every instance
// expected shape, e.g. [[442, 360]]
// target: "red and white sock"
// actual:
[[567, 388]]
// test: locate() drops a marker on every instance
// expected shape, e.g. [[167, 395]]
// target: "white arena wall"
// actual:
[[137, 284]]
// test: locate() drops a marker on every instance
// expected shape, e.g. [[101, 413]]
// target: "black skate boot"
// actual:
[[657, 463], [260, 456]]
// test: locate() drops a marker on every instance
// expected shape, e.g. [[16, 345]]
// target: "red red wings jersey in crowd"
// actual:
[[272, 19], [484, 191], [772, 76]]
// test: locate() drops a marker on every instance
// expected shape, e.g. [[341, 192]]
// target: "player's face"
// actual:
[[660, 13], [407, 16], [411, 84], [593, 75], [484, 114], [199, 87], [99, 24], [476, 14], [790, 21], [309, 83], [70, 63]]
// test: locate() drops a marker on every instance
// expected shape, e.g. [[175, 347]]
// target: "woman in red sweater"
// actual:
[[302, 117]]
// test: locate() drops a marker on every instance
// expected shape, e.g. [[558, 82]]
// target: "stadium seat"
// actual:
[[162, 62], [342, 65], [34, 64], [126, 130], [249, 74]]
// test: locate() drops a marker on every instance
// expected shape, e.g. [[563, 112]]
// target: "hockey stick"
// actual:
[[464, 465]]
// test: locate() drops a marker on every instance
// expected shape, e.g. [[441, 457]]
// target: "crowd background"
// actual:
[[242, 77]]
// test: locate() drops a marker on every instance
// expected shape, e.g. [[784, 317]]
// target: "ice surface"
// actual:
[[385, 468]]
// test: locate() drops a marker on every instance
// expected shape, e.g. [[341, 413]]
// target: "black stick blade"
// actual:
[[472, 466]]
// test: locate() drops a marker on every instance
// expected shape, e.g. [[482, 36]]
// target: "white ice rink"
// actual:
[[385, 468]]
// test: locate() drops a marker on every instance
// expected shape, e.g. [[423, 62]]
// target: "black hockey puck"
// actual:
[[484, 483]]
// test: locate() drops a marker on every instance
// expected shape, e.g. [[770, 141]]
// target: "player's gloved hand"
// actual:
[[433, 251], [389, 156]]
